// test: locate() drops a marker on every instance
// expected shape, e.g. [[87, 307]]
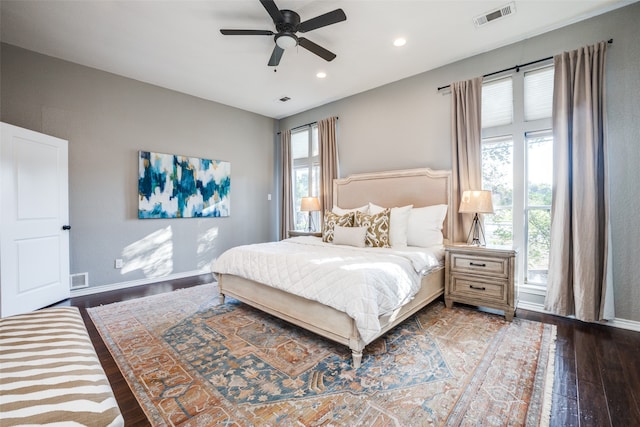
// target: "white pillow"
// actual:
[[398, 223], [340, 211], [424, 227], [352, 236]]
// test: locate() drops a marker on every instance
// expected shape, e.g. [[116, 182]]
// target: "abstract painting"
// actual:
[[173, 186]]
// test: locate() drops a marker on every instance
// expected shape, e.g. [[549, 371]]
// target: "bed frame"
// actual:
[[420, 187]]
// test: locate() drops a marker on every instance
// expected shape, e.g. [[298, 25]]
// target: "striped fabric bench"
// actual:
[[50, 373]]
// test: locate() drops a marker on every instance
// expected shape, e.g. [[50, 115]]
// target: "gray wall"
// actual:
[[107, 119], [406, 124]]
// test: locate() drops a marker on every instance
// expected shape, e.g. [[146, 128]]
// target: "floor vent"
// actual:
[[495, 14], [79, 280]]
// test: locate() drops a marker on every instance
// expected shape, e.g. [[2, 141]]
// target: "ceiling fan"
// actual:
[[287, 24]]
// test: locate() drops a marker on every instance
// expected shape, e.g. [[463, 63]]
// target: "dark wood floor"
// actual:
[[131, 411], [597, 368]]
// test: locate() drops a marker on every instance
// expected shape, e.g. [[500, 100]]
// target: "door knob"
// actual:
[[66, 227]]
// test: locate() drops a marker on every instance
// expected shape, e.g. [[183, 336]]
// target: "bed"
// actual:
[[419, 188]]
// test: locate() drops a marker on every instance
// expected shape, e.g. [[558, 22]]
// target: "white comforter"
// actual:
[[365, 283]]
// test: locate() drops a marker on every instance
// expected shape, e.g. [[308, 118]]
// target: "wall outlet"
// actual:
[[118, 263], [269, 196]]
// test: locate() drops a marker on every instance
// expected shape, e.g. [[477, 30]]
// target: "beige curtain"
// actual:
[[328, 161], [466, 128], [579, 276], [286, 217]]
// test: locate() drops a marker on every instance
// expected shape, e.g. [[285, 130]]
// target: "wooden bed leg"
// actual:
[[221, 298], [357, 358]]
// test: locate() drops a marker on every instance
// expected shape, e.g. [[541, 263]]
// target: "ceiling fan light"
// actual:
[[286, 41]]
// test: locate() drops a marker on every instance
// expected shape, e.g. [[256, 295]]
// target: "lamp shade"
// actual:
[[476, 201], [309, 204]]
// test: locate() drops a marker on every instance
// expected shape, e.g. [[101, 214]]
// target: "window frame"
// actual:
[[312, 164], [518, 130], [529, 207]]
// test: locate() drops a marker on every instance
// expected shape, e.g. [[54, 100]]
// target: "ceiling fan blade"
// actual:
[[273, 11], [317, 49], [276, 55], [322, 20], [247, 32]]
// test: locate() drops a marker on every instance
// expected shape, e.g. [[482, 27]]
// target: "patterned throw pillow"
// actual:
[[331, 220], [378, 228]]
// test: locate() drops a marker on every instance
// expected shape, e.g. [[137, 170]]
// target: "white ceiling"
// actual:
[[177, 44]]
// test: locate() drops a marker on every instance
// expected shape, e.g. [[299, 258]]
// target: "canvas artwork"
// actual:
[[173, 186]]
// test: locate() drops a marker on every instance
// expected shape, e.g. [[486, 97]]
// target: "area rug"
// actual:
[[192, 362]]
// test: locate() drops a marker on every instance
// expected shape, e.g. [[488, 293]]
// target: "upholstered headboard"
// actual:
[[417, 187]]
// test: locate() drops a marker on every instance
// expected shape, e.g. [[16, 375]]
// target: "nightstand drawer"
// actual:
[[471, 287], [474, 264]]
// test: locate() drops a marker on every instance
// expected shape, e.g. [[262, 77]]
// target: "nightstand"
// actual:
[[481, 276], [296, 233]]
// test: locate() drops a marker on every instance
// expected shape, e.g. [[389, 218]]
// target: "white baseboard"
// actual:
[[532, 306], [131, 283], [631, 325]]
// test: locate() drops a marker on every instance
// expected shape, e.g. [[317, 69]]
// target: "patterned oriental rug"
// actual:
[[191, 362]]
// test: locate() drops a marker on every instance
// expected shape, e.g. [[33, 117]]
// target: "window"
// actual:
[[517, 165], [497, 103], [538, 94], [497, 176], [305, 172], [538, 204]]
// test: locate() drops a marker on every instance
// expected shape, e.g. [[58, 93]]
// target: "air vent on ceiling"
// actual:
[[493, 15]]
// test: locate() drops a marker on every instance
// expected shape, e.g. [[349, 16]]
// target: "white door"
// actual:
[[34, 215]]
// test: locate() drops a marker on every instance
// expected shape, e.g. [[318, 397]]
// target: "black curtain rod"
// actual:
[[305, 125], [515, 67]]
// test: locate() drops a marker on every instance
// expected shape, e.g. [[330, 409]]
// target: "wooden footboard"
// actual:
[[319, 318]]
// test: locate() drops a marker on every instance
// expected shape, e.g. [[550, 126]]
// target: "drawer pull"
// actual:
[[475, 264], [479, 288]]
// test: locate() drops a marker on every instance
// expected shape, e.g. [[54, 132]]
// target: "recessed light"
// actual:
[[399, 42], [321, 75]]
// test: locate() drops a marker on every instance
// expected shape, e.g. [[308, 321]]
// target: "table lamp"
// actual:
[[310, 204], [476, 202]]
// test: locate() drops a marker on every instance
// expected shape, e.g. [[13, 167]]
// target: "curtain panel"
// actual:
[[579, 280], [286, 217], [328, 147], [466, 158]]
